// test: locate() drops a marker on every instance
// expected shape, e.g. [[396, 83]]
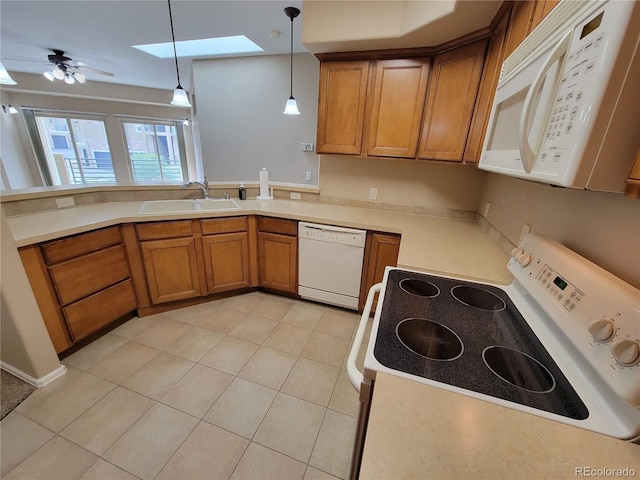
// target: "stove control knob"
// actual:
[[602, 330], [516, 252], [524, 259], [626, 352]]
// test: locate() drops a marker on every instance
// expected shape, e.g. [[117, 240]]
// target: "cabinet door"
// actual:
[[278, 259], [171, 267], [397, 104], [453, 87], [520, 24], [226, 261], [541, 10], [341, 101], [381, 251], [488, 84]]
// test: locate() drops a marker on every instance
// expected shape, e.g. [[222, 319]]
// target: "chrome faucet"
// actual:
[[204, 186]]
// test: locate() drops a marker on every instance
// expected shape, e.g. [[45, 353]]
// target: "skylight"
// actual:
[[202, 47]]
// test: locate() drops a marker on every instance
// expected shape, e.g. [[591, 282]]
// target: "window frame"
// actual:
[[122, 168], [143, 122]]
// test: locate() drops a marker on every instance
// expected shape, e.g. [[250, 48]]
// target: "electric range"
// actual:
[[562, 341]]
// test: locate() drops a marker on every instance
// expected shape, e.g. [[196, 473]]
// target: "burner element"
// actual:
[[478, 298], [420, 288], [519, 369], [429, 339]]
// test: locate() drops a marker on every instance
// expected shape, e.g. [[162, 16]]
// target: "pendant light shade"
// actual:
[[5, 78], [291, 107], [180, 97]]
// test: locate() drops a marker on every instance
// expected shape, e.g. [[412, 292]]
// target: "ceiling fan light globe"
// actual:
[[49, 76], [180, 98], [291, 107], [58, 73], [69, 80], [80, 77]]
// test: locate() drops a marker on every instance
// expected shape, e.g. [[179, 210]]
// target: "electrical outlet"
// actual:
[[308, 176], [525, 229], [295, 195], [373, 193], [307, 147], [485, 213], [65, 202]]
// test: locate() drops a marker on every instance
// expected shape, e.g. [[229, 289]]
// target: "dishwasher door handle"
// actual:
[[355, 376]]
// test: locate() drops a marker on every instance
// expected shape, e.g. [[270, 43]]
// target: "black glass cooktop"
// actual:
[[470, 336]]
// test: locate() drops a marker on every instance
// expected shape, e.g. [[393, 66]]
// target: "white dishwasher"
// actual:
[[330, 263]]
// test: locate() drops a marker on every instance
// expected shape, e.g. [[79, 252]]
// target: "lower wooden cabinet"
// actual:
[[278, 254], [227, 256], [81, 283], [381, 250], [171, 266], [95, 311]]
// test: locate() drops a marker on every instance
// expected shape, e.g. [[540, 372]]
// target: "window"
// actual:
[[74, 149], [67, 147], [155, 151]]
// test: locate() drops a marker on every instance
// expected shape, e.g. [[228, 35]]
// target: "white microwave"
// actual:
[[567, 108]]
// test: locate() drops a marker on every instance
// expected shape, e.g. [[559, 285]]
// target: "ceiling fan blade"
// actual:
[[18, 59], [95, 70]]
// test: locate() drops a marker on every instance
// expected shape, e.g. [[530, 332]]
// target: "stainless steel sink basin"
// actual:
[[159, 207]]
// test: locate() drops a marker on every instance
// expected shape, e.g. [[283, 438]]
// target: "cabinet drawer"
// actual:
[[85, 275], [223, 225], [151, 231], [278, 225], [94, 312], [66, 248]]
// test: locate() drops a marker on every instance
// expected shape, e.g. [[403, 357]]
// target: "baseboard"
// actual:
[[36, 382]]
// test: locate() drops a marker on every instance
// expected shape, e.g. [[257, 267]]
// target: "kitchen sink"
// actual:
[[159, 207]]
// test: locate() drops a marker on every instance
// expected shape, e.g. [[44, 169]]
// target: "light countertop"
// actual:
[[421, 432], [436, 244]]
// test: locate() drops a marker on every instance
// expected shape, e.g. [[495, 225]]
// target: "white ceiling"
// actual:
[[100, 33]]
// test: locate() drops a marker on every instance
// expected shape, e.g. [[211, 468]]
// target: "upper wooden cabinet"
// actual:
[[452, 94], [484, 101], [395, 104], [411, 109], [371, 107], [341, 106]]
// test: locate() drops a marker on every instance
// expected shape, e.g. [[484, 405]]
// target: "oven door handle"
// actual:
[[355, 376]]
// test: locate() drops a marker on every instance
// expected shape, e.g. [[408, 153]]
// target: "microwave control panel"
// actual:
[[574, 98]]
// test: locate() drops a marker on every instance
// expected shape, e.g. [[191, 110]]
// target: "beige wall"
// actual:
[[402, 182], [603, 227], [25, 343], [239, 104]]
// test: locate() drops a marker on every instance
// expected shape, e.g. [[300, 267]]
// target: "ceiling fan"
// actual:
[[64, 68]]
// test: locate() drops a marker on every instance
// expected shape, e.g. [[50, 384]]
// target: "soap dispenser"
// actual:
[[242, 192]]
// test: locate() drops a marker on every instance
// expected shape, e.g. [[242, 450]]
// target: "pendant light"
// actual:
[[5, 78], [180, 98], [291, 107]]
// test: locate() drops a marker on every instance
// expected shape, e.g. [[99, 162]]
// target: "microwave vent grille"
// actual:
[[551, 29]]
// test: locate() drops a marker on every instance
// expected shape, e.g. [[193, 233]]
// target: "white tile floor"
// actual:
[[248, 387]]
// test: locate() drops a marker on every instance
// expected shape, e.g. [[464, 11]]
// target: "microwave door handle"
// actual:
[[526, 150]]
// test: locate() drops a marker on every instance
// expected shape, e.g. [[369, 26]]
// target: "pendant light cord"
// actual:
[[173, 39], [291, 58]]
